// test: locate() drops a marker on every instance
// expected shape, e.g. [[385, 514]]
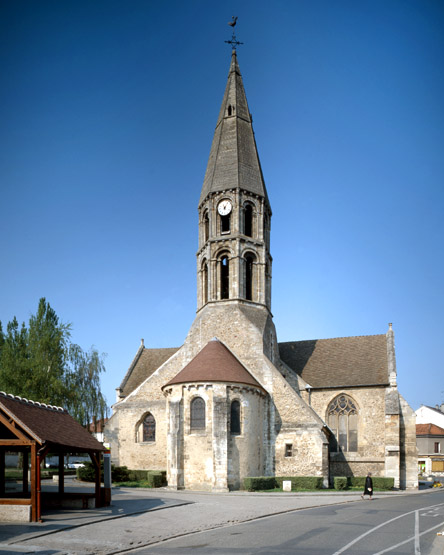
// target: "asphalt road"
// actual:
[[406, 525], [161, 522]]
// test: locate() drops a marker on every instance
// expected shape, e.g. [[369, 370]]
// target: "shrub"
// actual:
[[383, 483], [301, 482], [155, 478], [87, 473], [340, 482], [138, 475], [259, 483], [119, 473]]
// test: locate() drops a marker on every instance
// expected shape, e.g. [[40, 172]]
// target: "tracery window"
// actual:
[[342, 417], [149, 428], [235, 418], [197, 417]]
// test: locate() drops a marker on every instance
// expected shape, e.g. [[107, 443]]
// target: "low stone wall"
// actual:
[[15, 513]]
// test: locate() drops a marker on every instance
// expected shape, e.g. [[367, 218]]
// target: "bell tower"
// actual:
[[233, 259]]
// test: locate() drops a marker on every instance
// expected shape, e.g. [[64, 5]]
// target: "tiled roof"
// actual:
[[429, 430], [338, 362], [214, 363], [145, 363], [46, 423]]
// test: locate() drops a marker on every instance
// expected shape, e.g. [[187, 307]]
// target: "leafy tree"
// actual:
[[39, 362], [85, 402]]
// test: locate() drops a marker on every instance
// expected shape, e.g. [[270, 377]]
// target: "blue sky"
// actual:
[[108, 110]]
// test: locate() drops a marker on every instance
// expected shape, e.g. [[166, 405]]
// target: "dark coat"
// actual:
[[368, 488]]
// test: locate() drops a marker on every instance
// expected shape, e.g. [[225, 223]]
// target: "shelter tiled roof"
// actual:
[[48, 424], [215, 363], [429, 430], [338, 362]]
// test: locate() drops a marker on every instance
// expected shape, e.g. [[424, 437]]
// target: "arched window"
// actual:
[[206, 226], [342, 417], [149, 428], [249, 269], [224, 277], [197, 409], [204, 282], [235, 418], [248, 220]]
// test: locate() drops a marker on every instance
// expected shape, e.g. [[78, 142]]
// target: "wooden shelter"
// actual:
[[36, 429]]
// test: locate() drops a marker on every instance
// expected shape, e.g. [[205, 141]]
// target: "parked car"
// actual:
[[77, 464]]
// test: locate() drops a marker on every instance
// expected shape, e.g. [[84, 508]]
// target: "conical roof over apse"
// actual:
[[215, 363], [234, 161]]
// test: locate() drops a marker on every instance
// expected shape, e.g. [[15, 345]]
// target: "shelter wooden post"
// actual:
[[34, 482], [95, 457], [61, 474], [25, 470]]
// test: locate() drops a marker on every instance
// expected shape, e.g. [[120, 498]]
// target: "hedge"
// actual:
[[301, 482], [259, 483], [379, 483], [340, 482]]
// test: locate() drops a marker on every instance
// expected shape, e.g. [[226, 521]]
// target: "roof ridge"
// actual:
[[330, 338], [34, 403]]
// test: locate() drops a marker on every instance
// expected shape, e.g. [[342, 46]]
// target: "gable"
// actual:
[[145, 363], [338, 362]]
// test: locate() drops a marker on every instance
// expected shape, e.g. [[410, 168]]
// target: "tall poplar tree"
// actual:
[[39, 362]]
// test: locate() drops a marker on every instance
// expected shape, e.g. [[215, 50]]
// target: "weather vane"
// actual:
[[234, 42]]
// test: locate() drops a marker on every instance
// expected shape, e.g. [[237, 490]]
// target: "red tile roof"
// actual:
[[48, 424], [215, 363], [429, 430]]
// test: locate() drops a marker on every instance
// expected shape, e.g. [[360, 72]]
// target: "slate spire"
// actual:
[[234, 161]]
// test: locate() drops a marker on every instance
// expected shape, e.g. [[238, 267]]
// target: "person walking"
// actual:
[[368, 487]]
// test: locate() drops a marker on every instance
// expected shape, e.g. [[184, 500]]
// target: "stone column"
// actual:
[[174, 443], [220, 438]]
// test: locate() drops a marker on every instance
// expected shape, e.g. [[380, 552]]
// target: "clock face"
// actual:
[[224, 207]]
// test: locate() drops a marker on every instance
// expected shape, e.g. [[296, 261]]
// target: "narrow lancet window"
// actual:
[[205, 283], [235, 418], [197, 418]]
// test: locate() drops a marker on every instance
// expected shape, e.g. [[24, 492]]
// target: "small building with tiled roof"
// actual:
[[216, 411], [430, 443], [35, 429]]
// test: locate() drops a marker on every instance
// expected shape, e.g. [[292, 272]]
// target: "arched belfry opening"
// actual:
[[224, 275], [249, 261], [225, 223], [206, 226], [248, 220], [204, 278]]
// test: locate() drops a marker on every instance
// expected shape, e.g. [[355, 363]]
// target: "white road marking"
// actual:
[[417, 548], [408, 540], [359, 538]]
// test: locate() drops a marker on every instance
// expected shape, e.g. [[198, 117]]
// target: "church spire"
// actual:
[[234, 261], [234, 160]]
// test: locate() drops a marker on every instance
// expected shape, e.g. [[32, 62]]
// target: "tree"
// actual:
[[40, 363], [85, 402]]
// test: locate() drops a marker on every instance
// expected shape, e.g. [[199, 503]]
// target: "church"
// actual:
[[232, 401]]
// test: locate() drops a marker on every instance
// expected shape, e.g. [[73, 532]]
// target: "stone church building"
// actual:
[[232, 401]]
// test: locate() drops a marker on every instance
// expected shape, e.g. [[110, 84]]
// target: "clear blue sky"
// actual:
[[107, 113]]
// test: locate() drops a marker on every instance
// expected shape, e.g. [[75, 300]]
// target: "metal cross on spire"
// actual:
[[234, 42]]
